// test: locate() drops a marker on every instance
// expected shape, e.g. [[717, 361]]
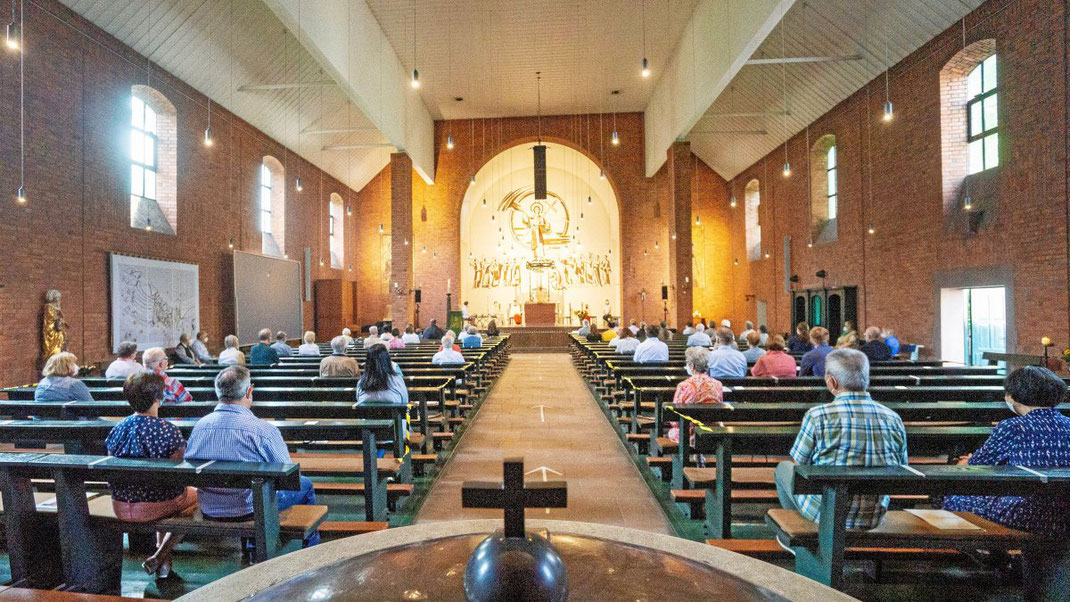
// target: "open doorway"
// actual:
[[972, 321]]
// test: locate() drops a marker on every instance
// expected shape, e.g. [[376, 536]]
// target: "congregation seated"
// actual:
[[666, 334], [725, 360], [348, 334], [232, 432], [338, 364], [59, 382], [231, 355], [891, 341], [144, 434], [1037, 436], [813, 361], [433, 332], [155, 360], [492, 328], [754, 349], [799, 343], [395, 341], [585, 328], [184, 352], [593, 336], [449, 353], [763, 335], [382, 381], [610, 332], [373, 337], [748, 327], [699, 387], [410, 337], [727, 324], [848, 331], [626, 343], [651, 350], [126, 364], [473, 340], [309, 346], [200, 348], [699, 338], [774, 362], [852, 430], [262, 353], [874, 348], [632, 327], [281, 347], [849, 341], [688, 330]]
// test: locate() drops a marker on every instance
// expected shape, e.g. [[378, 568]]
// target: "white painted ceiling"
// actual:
[[871, 28]]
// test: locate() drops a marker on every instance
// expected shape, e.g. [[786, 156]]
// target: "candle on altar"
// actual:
[[448, 282]]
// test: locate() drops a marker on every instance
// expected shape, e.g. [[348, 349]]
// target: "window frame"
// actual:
[[265, 193], [977, 103], [832, 182], [155, 137]]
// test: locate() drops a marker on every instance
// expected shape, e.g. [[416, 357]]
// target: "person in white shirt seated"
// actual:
[[373, 337], [748, 327], [410, 337], [125, 365], [585, 328], [763, 334], [462, 335], [626, 343], [615, 341], [447, 355], [200, 348], [632, 327], [725, 361], [231, 355], [699, 338], [688, 330], [653, 349], [280, 345], [309, 346], [348, 334]]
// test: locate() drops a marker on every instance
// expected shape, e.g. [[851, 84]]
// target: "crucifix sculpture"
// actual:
[[516, 565]]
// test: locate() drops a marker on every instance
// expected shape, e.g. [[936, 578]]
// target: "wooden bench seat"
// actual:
[[340, 464], [348, 528], [769, 549], [394, 491]]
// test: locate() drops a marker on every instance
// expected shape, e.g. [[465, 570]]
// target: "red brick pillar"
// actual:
[[680, 166], [401, 244]]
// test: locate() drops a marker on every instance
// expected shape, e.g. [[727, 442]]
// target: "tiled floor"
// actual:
[[570, 436]]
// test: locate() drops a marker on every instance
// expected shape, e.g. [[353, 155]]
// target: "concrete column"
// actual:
[[401, 243], [680, 167]]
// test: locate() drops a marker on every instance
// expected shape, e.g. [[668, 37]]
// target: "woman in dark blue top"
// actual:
[[145, 435], [1038, 436]]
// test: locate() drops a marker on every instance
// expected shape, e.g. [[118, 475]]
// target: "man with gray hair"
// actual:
[[699, 338], [232, 433], [280, 345], [262, 353], [372, 338], [852, 430], [875, 348], [338, 364]]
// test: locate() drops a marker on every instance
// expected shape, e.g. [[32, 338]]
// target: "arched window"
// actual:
[[751, 202], [272, 198], [336, 229], [969, 135], [153, 161], [982, 132], [824, 189]]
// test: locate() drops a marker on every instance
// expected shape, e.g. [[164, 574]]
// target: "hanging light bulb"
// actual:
[[967, 203], [698, 221], [588, 199], [615, 139], [732, 202], [601, 174], [11, 36], [735, 261], [208, 136], [415, 78], [20, 196], [656, 245], [449, 142], [767, 254], [148, 226], [646, 68], [349, 211], [484, 201], [424, 249], [889, 112], [406, 242], [787, 169], [297, 184], [380, 228], [810, 243], [871, 229], [674, 235], [473, 180], [321, 262], [230, 243]]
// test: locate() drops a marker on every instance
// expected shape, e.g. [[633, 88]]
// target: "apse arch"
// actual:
[[564, 250]]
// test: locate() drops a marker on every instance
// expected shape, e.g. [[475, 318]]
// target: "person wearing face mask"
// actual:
[[59, 382], [1037, 436], [852, 430], [699, 387]]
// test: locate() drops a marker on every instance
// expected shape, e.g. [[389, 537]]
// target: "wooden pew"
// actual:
[[89, 537], [819, 548]]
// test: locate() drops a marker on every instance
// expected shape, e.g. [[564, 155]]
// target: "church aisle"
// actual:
[[541, 410]]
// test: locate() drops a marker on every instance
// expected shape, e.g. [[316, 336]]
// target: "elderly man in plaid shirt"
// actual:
[[853, 430]]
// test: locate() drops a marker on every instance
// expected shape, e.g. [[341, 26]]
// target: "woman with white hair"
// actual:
[[473, 340], [231, 355], [155, 360], [449, 354], [699, 387], [309, 346]]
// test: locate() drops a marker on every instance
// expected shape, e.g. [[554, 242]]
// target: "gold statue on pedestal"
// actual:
[[53, 327]]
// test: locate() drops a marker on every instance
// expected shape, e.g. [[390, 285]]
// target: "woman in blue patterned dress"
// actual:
[[1038, 436], [144, 434]]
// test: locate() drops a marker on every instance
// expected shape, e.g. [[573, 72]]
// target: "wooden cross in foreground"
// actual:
[[512, 496]]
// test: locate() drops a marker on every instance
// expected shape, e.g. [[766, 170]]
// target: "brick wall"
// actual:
[[890, 175], [77, 97]]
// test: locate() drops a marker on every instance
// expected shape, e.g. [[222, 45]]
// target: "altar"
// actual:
[[539, 314]]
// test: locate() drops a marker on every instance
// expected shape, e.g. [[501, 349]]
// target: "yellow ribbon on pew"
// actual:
[[694, 421]]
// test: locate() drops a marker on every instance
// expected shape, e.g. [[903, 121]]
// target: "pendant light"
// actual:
[[784, 80], [20, 195], [230, 243], [415, 80], [449, 142], [889, 112], [645, 71], [810, 243], [615, 138], [12, 35], [732, 199], [871, 229], [208, 130]]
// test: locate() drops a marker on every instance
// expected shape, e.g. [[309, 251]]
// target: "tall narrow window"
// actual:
[[982, 117], [336, 229], [830, 178], [271, 196], [752, 201], [824, 189], [152, 142]]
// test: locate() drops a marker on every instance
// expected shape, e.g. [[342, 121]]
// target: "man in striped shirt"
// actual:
[[233, 433], [853, 430]]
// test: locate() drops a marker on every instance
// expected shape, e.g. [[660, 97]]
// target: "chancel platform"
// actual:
[[533, 339], [427, 562]]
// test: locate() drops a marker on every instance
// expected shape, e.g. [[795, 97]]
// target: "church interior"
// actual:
[[501, 300]]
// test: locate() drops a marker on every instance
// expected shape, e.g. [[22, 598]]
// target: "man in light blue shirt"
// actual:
[[813, 362], [699, 338], [233, 433], [653, 349], [726, 362], [280, 345]]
